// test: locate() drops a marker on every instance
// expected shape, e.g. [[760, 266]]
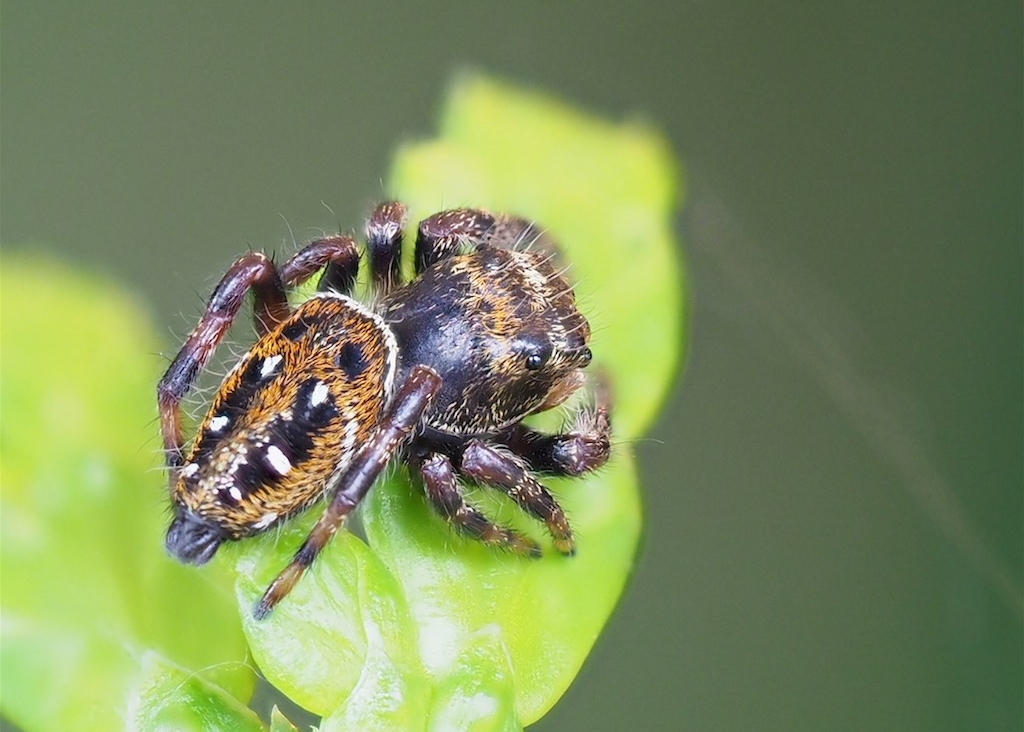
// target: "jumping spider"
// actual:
[[439, 371]]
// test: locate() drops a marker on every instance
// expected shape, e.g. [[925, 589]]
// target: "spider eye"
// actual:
[[534, 361], [535, 349]]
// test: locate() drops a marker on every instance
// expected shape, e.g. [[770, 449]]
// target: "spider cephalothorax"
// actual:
[[441, 371], [504, 330]]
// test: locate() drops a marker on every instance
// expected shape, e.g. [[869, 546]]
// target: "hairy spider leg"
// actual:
[[447, 232], [397, 425], [491, 467], [384, 245], [441, 486], [444, 234], [586, 446], [336, 255]]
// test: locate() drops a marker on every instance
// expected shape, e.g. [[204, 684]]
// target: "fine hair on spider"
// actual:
[[437, 372]]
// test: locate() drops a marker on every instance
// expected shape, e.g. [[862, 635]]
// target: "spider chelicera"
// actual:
[[439, 371]]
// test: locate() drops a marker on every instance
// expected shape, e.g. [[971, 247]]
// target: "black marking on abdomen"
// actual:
[[258, 373], [270, 459], [295, 330], [232, 495], [292, 437], [351, 359]]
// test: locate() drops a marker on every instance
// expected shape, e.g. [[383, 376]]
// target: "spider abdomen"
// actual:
[[290, 415]]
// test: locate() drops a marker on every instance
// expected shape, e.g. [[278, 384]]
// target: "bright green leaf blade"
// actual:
[[547, 613], [478, 693], [87, 586], [342, 638]]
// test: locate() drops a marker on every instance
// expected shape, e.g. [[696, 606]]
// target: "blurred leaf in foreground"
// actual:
[[94, 615]]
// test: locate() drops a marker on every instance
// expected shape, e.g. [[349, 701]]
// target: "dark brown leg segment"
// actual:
[[384, 243], [398, 423], [512, 232], [583, 448], [444, 234], [442, 488], [252, 272], [336, 255], [491, 467]]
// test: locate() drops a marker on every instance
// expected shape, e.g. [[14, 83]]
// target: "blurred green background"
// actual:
[[835, 528]]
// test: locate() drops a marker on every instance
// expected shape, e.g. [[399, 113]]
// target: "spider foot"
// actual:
[[279, 589]]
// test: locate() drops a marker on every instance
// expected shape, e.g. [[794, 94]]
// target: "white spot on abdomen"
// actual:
[[351, 431], [270, 363], [277, 460], [319, 395]]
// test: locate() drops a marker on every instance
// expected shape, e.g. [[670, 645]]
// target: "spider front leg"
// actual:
[[441, 485], [397, 425], [445, 234], [584, 447], [492, 467], [254, 272]]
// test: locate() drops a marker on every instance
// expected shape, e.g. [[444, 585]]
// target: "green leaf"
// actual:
[[171, 698], [339, 631], [426, 630], [90, 598]]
